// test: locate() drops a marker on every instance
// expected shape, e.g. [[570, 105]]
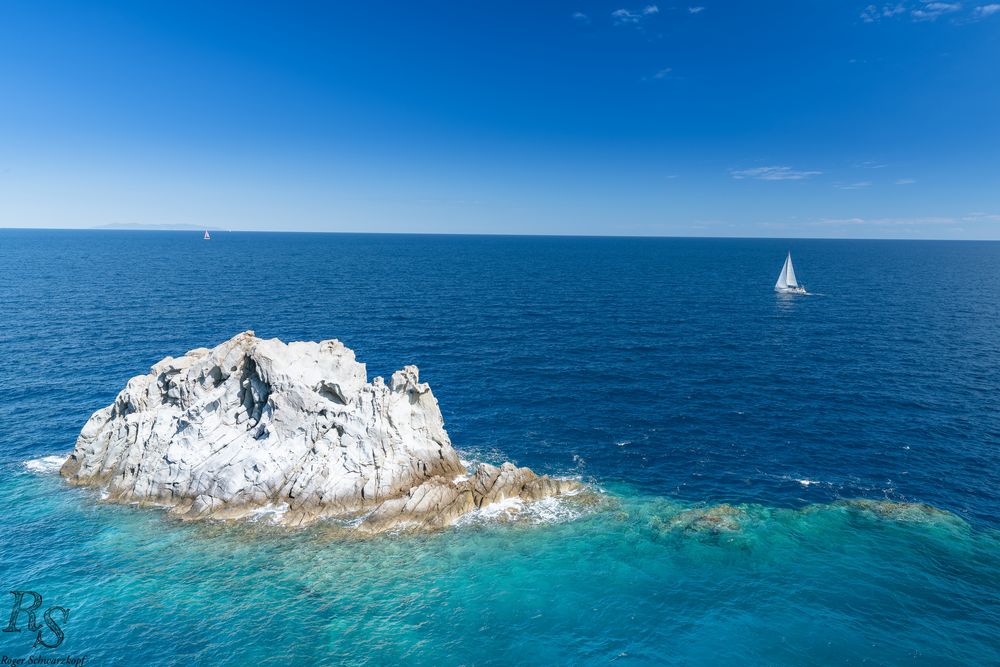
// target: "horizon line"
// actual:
[[219, 230]]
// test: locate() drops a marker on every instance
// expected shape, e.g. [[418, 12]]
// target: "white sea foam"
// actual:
[[356, 521], [470, 470], [46, 465], [554, 509], [577, 491], [499, 508], [505, 509], [271, 513], [803, 481]]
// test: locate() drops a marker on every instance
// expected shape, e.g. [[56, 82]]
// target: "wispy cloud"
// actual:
[[695, 10], [971, 218], [871, 164], [931, 11], [633, 17], [884, 222], [873, 13], [581, 17], [905, 181], [852, 186], [773, 174], [664, 73], [981, 217], [986, 10], [838, 222], [924, 10]]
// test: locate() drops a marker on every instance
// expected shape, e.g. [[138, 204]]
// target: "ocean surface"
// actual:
[[781, 480]]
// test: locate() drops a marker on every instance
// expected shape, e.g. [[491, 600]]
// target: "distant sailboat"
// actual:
[[787, 284], [207, 237]]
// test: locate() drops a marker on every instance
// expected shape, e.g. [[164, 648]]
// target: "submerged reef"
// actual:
[[898, 511], [726, 522], [752, 527], [295, 431], [713, 519]]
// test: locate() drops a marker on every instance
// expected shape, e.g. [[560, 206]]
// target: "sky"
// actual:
[[805, 118]]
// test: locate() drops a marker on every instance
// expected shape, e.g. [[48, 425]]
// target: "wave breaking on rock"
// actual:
[[252, 425]]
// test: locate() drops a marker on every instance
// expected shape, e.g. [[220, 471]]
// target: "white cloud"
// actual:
[[773, 174], [884, 222], [981, 217], [873, 13], [852, 186], [663, 73], [986, 10], [580, 16], [624, 16], [930, 11], [695, 10], [840, 222], [924, 10], [986, 223], [928, 221], [629, 17], [905, 181]]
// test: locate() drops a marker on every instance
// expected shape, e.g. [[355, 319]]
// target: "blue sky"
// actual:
[[822, 118]]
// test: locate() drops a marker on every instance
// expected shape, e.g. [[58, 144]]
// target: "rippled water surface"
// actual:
[[785, 480]]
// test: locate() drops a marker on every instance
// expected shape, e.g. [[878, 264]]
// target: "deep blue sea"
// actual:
[[726, 428]]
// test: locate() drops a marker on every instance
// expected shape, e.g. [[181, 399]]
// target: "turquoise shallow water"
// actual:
[[730, 433]]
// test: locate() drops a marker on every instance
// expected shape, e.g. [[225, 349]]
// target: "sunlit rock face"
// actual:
[[293, 429]]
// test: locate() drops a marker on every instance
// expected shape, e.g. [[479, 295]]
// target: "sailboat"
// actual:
[[787, 284], [207, 237]]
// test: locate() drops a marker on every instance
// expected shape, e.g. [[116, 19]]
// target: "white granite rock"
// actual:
[[254, 424]]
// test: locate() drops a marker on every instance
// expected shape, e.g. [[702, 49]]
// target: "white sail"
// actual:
[[790, 275], [783, 276]]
